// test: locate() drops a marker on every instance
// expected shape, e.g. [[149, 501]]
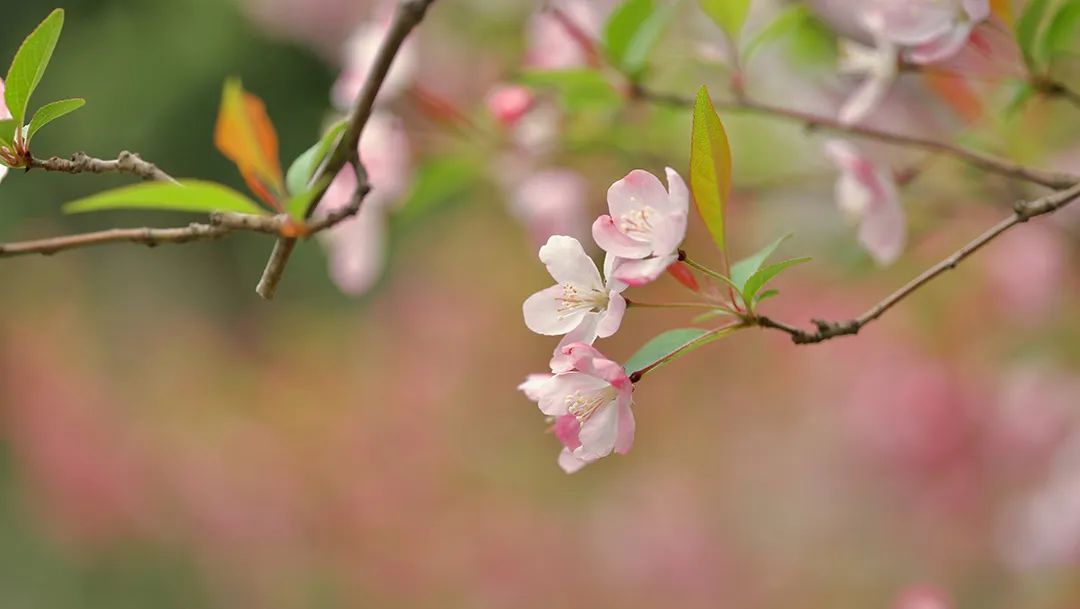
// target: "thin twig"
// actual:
[[1022, 212], [982, 160], [408, 15], [221, 224], [125, 162]]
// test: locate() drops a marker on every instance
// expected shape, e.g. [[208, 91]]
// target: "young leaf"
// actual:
[[765, 275], [672, 344], [1061, 33], [246, 136], [299, 175], [1028, 27], [728, 14], [710, 167], [298, 205], [188, 195], [50, 112], [577, 89], [632, 31], [7, 131], [743, 269], [766, 295], [29, 64]]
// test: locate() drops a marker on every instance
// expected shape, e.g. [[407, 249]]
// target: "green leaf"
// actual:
[[7, 131], [1028, 27], [299, 175], [766, 295], [728, 14], [765, 275], [743, 269], [1021, 93], [710, 167], [673, 344], [1061, 33], [632, 31], [438, 181], [188, 195], [577, 89], [29, 64], [50, 112], [298, 204], [810, 40]]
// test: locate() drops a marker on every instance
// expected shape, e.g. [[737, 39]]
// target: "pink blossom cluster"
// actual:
[[587, 395]]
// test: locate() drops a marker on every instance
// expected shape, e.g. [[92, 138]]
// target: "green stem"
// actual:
[[672, 305], [701, 267]]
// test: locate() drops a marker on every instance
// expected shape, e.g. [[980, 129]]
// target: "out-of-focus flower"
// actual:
[[581, 300], [4, 114], [359, 55], [920, 31], [551, 202], [1025, 270], [357, 245], [1045, 530], [867, 194], [561, 35], [877, 65], [922, 597], [508, 103], [592, 407], [646, 225]]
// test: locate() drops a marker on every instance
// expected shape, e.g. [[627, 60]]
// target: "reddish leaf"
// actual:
[[684, 275], [246, 136]]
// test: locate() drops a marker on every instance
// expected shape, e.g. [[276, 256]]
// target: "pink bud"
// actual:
[[508, 103]]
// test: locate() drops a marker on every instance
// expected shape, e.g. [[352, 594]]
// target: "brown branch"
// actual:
[[125, 162], [408, 15], [1022, 212], [982, 160], [221, 224]]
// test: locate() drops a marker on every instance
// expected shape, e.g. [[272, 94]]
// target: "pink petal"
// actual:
[[599, 433], [613, 241], [569, 463], [553, 394], [532, 384], [584, 333], [566, 430], [357, 251], [914, 22], [977, 10], [883, 231], [637, 190], [611, 319], [627, 425], [567, 262], [637, 273], [542, 315], [942, 47], [508, 103]]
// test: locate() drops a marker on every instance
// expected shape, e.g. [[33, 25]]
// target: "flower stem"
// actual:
[[673, 305], [701, 267]]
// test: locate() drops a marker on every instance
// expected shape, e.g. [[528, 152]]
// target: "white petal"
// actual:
[[567, 262], [639, 189], [542, 314], [533, 385], [569, 463], [554, 393], [599, 433], [611, 319]]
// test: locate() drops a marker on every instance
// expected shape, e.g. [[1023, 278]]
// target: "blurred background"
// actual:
[[167, 439]]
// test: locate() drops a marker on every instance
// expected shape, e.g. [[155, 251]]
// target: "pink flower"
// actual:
[[922, 597], [561, 36], [4, 114], [551, 202], [591, 404], [508, 103], [646, 226], [581, 300], [359, 55], [867, 194], [357, 245], [920, 31]]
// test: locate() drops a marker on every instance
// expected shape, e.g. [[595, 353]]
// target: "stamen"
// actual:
[[637, 223], [573, 300]]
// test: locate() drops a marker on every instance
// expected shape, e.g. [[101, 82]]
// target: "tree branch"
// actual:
[[1022, 212], [221, 224], [407, 16], [125, 162], [982, 160]]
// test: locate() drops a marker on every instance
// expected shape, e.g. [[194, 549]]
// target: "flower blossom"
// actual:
[[867, 194], [551, 202], [357, 245], [591, 405], [646, 225], [581, 302], [4, 114], [920, 32]]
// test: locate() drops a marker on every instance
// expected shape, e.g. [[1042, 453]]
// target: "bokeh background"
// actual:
[[167, 439]]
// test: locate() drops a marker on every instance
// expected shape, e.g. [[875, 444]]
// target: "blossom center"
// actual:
[[584, 405], [574, 299], [638, 223]]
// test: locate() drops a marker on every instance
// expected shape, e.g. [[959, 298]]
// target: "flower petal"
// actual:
[[542, 315], [627, 425], [567, 262], [637, 273], [584, 333], [637, 190], [533, 384], [357, 251], [553, 394], [599, 433], [569, 463], [611, 319], [613, 241], [883, 231]]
